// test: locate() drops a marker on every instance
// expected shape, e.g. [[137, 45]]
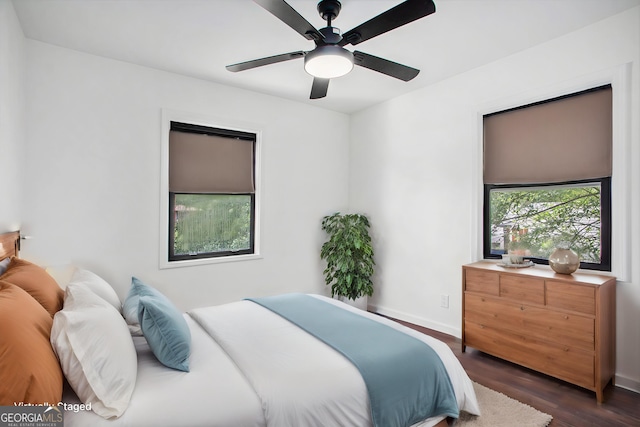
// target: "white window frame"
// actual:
[[203, 120], [620, 80]]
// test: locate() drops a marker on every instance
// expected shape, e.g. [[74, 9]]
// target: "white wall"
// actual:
[[415, 170], [92, 187], [11, 116]]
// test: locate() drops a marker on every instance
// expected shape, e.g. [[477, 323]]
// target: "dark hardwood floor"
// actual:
[[568, 404]]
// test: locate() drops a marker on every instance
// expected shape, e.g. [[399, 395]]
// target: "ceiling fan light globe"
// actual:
[[328, 62]]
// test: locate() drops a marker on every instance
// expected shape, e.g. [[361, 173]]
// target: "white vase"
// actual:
[[563, 260]]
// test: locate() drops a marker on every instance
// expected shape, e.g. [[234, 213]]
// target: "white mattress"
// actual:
[[262, 371]]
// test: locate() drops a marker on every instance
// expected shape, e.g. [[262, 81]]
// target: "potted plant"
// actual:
[[349, 256]]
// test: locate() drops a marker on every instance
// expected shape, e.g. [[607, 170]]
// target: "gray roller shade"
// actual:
[[200, 163], [566, 139]]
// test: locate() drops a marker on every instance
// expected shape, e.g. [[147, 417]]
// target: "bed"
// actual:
[[247, 365]]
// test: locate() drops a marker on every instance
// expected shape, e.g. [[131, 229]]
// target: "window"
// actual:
[[534, 219], [547, 179], [212, 204]]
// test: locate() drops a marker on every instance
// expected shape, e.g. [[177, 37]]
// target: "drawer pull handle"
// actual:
[[566, 317], [566, 349], [522, 307]]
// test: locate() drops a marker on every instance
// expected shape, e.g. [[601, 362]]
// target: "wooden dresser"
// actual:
[[561, 325]]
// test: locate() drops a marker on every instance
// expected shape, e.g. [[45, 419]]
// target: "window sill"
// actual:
[[548, 268], [164, 264]]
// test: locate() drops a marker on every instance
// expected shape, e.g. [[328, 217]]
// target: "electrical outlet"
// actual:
[[444, 301]]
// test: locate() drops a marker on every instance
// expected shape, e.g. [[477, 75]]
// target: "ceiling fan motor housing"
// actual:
[[332, 35]]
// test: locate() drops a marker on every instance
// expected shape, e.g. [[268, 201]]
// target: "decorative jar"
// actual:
[[563, 260]]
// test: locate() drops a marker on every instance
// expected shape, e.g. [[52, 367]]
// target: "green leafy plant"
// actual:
[[349, 255]]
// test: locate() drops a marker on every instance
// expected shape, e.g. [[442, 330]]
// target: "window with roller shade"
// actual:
[[547, 178], [211, 192]]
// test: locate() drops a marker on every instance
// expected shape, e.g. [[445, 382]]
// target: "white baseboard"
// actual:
[[627, 383], [440, 327]]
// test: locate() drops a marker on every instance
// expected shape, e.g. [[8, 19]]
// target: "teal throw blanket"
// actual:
[[405, 378]]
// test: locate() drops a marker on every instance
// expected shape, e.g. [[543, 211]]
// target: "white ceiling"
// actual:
[[199, 37]]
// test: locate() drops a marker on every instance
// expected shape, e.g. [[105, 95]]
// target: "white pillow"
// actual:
[[95, 350], [97, 285]]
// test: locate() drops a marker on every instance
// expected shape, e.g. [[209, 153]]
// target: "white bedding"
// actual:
[[213, 394], [279, 373], [301, 381]]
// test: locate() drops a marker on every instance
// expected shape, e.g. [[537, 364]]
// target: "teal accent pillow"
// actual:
[[130, 304], [162, 325]]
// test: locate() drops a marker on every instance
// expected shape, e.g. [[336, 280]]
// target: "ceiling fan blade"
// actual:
[[319, 88], [384, 66], [395, 17], [281, 10], [241, 66]]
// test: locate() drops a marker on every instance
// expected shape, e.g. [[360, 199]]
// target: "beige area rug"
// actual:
[[499, 410]]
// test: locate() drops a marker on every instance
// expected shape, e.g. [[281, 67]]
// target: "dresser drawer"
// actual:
[[572, 297], [540, 323], [558, 360], [522, 288], [486, 282]]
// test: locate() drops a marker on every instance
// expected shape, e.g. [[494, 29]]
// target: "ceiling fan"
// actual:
[[329, 58]]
